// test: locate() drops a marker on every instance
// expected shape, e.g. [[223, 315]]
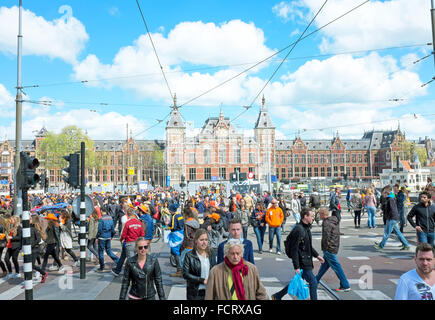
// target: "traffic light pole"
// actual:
[[27, 248], [82, 235]]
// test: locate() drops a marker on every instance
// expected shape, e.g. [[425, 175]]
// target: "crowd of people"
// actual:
[[208, 236]]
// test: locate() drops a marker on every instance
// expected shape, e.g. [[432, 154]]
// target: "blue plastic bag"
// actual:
[[175, 239], [297, 287]]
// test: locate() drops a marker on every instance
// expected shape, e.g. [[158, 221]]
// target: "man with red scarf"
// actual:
[[235, 278]]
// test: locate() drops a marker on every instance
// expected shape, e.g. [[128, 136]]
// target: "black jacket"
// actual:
[[331, 235], [141, 280], [301, 247], [17, 241], [424, 216], [192, 273], [35, 238], [391, 212]]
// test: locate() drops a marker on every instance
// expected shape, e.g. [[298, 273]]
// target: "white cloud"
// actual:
[[189, 43], [62, 38], [289, 11], [114, 11], [7, 103], [376, 24]]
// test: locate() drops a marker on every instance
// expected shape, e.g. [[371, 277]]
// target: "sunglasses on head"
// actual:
[[142, 247]]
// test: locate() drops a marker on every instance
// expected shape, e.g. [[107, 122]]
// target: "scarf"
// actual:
[[237, 278]]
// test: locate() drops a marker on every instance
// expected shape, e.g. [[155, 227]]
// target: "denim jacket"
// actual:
[[106, 228]]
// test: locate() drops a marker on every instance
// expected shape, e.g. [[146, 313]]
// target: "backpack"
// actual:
[[315, 201], [287, 240]]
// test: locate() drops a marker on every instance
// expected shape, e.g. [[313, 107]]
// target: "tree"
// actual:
[[54, 146]]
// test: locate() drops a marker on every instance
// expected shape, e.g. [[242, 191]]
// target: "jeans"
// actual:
[[245, 232], [12, 253], [371, 212], [332, 261], [130, 248], [50, 250], [426, 237], [259, 233], [92, 247], [272, 232], [122, 258], [308, 276], [105, 245], [402, 218], [357, 217], [391, 225], [297, 217]]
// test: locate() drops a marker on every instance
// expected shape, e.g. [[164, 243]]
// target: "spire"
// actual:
[[264, 120], [175, 101], [221, 115], [175, 120]]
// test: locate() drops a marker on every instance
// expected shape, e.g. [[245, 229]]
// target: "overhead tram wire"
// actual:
[[225, 66], [276, 53], [155, 51], [279, 66], [411, 117]]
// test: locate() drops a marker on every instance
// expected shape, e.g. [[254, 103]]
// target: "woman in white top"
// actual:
[[196, 266]]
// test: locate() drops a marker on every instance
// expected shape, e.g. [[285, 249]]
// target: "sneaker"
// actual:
[[15, 276], [260, 252], [116, 274], [271, 250], [53, 268], [405, 248], [61, 270], [377, 246], [278, 253], [44, 277], [342, 289], [100, 270]]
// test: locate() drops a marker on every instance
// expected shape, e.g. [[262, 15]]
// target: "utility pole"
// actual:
[[432, 14], [18, 121], [82, 235]]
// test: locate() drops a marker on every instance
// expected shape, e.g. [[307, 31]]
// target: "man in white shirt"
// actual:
[[419, 283]]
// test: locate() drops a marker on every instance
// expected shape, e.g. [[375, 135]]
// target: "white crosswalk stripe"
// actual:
[[372, 295]]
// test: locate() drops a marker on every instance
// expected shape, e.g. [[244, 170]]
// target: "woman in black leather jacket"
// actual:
[[196, 266], [143, 272]]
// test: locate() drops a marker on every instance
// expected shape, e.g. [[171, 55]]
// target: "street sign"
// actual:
[[3, 181], [168, 181], [250, 175], [273, 178], [131, 171], [214, 178], [88, 203]]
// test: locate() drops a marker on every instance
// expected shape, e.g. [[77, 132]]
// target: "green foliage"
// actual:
[[54, 146]]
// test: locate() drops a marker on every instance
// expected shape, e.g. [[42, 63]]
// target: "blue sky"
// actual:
[[337, 79]]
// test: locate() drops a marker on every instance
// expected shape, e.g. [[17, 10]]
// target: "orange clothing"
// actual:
[[274, 217]]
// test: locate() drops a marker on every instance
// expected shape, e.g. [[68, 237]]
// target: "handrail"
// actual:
[[337, 297]]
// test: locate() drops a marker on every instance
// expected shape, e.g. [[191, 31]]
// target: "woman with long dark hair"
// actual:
[[14, 242], [92, 234], [36, 234], [66, 235], [196, 266], [4, 227], [53, 238], [142, 275]]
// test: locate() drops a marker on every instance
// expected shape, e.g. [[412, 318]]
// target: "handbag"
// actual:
[[254, 222], [297, 287]]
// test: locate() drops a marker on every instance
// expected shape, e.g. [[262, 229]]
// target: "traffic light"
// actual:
[[72, 170], [44, 182], [27, 171]]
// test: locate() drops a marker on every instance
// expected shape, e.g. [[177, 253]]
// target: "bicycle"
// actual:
[[157, 232]]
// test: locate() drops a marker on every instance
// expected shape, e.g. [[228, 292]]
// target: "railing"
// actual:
[[336, 296]]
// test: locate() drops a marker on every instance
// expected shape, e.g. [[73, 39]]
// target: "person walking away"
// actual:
[[36, 235], [14, 244], [259, 215], [234, 278], [424, 224], [142, 275], [330, 246], [392, 221], [196, 266], [295, 207], [370, 204], [348, 198], [66, 235], [299, 248], [117, 269], [190, 227], [357, 205], [148, 223], [401, 197], [419, 283], [235, 232], [283, 205], [53, 239], [249, 202], [302, 200], [214, 226], [177, 227], [334, 204], [315, 203], [133, 229], [106, 231], [242, 214], [4, 227], [92, 235], [274, 218]]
